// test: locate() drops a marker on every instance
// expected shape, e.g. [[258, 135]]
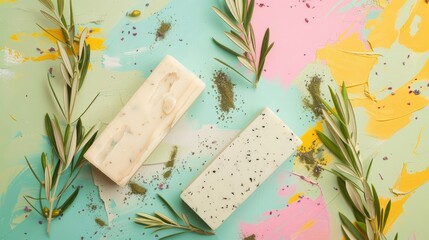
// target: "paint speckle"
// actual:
[[162, 30]]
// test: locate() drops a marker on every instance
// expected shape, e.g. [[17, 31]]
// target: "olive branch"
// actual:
[[353, 183], [239, 17], [161, 222], [70, 142]]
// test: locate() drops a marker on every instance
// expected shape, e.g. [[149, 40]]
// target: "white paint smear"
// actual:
[[111, 62]]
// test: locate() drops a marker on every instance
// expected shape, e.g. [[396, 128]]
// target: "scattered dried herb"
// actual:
[[315, 105], [161, 222], [100, 222], [162, 30], [225, 89], [353, 183], [312, 158], [170, 164], [251, 237], [70, 142], [137, 189], [243, 37]]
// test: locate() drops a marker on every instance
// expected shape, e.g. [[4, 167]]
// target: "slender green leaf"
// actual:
[[32, 170], [169, 206], [85, 148], [32, 206], [69, 200], [232, 9], [66, 59], [55, 96], [49, 33], [376, 203], [362, 226], [51, 18], [343, 168], [226, 19], [82, 41], [48, 182], [249, 14], [252, 37], [227, 49], [239, 8], [72, 148], [352, 228], [60, 5], [238, 41], [90, 104], [58, 140], [246, 63], [355, 197], [331, 123], [71, 13], [386, 214], [369, 169], [48, 4], [172, 235], [165, 218], [55, 175], [236, 71], [85, 65], [43, 160], [65, 74], [369, 230], [330, 145], [396, 236]]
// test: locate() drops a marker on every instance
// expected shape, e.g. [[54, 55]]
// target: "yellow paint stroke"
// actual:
[[7, 1], [417, 41], [346, 62], [303, 228], [96, 43], [295, 197], [388, 115], [419, 139], [406, 183], [392, 113], [383, 32]]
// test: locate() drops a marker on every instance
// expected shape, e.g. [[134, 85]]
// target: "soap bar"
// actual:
[[241, 167], [145, 120]]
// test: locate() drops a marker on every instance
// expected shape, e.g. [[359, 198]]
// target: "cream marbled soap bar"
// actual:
[[145, 120], [242, 166]]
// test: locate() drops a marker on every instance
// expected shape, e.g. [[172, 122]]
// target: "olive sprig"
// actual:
[[68, 138]]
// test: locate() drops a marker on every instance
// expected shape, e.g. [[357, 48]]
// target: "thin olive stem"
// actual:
[[52, 199]]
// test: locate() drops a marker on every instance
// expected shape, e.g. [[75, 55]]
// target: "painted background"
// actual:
[[379, 48]]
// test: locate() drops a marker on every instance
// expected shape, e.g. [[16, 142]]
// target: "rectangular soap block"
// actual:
[[241, 167], [145, 120]]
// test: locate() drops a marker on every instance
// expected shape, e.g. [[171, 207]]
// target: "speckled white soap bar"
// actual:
[[145, 120], [239, 170]]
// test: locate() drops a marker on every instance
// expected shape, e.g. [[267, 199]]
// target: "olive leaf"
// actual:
[[352, 179], [67, 138], [243, 37], [160, 222]]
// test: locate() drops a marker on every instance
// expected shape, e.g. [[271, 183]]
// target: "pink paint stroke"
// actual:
[[306, 218], [299, 28]]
